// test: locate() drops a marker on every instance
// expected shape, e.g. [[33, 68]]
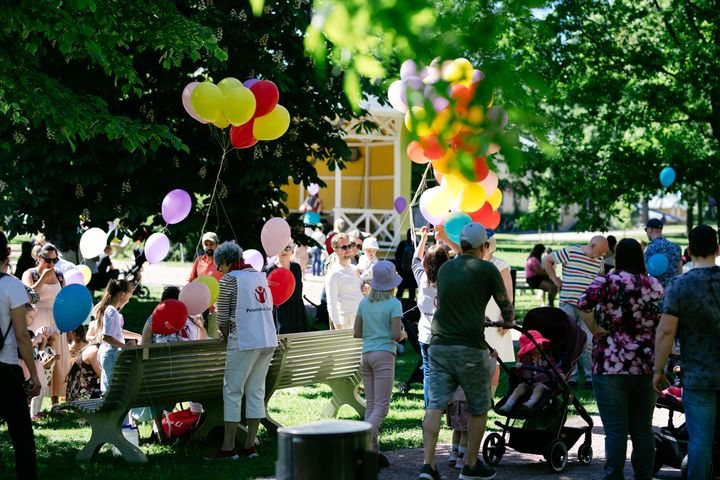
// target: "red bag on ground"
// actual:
[[177, 424]]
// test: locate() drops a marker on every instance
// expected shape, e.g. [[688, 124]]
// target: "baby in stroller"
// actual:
[[534, 379]]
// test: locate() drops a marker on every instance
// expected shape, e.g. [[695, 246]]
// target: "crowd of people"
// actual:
[[632, 321]]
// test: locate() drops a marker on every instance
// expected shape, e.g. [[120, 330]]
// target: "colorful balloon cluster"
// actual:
[[250, 107], [454, 128]]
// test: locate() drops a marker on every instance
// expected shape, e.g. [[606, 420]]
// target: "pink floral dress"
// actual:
[[629, 309]]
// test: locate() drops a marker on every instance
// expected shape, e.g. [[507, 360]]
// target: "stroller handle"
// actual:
[[508, 326]]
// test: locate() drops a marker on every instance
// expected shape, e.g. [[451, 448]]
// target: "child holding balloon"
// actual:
[[110, 322]]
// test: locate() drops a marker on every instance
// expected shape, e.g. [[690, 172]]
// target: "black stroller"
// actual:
[[542, 430]]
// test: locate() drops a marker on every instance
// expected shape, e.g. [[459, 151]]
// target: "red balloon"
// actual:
[[493, 221], [242, 135], [328, 242], [266, 97], [432, 148], [462, 96], [169, 317], [481, 169], [482, 215], [282, 285]]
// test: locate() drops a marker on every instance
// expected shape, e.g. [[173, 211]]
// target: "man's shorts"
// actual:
[[453, 365]]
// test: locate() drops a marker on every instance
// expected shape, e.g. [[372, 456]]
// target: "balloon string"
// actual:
[[212, 198]]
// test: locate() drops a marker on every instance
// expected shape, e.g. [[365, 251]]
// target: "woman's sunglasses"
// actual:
[[49, 260], [348, 246], [289, 248]]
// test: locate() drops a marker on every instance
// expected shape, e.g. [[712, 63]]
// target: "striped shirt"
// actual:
[[578, 272], [227, 303]]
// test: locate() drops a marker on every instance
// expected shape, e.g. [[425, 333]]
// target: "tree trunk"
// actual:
[[701, 208], [645, 211], [689, 216]]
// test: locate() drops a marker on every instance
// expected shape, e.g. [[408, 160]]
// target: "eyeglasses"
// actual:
[[348, 246], [288, 248], [50, 260]]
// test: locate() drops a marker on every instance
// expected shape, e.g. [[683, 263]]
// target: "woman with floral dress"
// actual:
[[623, 357]]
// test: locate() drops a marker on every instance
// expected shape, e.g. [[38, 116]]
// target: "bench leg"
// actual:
[[107, 428], [214, 418], [345, 392]]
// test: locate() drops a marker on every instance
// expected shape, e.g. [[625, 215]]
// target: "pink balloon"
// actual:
[[313, 189], [254, 258], [489, 183], [176, 206], [196, 297], [186, 96], [478, 76], [408, 69], [396, 95], [274, 236], [74, 276], [157, 246]]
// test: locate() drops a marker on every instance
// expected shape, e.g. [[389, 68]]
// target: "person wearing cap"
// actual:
[[368, 259], [690, 310], [203, 264], [660, 245], [464, 287], [534, 381], [580, 265], [379, 324]]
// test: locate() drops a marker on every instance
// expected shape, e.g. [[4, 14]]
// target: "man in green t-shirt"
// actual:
[[458, 353]]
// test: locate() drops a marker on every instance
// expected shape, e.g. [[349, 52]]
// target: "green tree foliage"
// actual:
[[91, 122], [633, 88]]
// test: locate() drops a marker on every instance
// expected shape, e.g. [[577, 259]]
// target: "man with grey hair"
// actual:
[[580, 265], [465, 285]]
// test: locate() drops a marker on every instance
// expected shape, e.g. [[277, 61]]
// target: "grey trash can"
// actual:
[[336, 449]]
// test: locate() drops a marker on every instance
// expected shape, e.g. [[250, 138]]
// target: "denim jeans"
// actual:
[[317, 263], [586, 359], [701, 411], [626, 404], [107, 355], [426, 371]]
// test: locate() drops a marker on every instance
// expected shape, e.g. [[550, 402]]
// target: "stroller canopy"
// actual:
[[566, 337]]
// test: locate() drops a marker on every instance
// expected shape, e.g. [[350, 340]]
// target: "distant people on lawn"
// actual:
[[536, 276], [580, 265], [690, 311], [465, 284], [14, 399], [660, 245], [623, 346]]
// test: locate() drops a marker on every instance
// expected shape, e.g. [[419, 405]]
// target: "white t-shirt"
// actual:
[[426, 301], [12, 296], [113, 322], [343, 288]]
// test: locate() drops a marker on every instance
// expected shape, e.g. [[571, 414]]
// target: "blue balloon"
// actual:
[[72, 306], [454, 224], [667, 176], [657, 264]]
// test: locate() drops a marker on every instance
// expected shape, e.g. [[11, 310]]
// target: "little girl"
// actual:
[[379, 324], [533, 381], [110, 322]]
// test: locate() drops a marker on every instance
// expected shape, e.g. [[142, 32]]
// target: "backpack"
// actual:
[[407, 257], [4, 334]]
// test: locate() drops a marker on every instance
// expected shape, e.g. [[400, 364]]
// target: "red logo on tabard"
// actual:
[[260, 294]]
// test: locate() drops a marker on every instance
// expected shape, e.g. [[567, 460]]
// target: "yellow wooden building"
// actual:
[[363, 193]]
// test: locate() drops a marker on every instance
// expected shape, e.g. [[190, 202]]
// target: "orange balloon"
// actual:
[[415, 152], [444, 164], [432, 148], [462, 96]]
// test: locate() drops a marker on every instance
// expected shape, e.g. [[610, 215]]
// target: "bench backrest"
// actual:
[[160, 374]]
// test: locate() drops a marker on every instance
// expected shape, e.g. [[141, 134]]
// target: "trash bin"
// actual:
[[336, 449]]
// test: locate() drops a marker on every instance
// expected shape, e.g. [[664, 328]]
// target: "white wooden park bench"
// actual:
[[164, 374]]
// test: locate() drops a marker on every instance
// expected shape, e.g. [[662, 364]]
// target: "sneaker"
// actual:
[[429, 473], [479, 472], [383, 462], [249, 452], [453, 456], [524, 408], [223, 455], [505, 409], [460, 463]]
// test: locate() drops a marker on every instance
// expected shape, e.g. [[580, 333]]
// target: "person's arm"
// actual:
[[332, 287], [589, 319], [223, 304], [90, 355], [507, 280], [549, 265], [146, 334], [22, 337], [37, 286], [502, 299], [420, 249], [442, 235], [664, 338], [358, 327], [113, 341], [397, 329]]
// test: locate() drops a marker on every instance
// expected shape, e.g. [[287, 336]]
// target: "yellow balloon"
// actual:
[[227, 84], [458, 71], [207, 101], [440, 203], [472, 197], [455, 183], [239, 105], [495, 199], [221, 122], [444, 163], [441, 120], [212, 284], [416, 121], [272, 125], [86, 273]]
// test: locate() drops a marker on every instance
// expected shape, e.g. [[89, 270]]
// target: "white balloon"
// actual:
[[93, 242], [254, 258], [313, 189]]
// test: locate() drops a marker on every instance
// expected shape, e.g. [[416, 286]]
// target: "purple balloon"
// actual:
[[157, 246], [187, 103], [74, 276], [176, 206], [408, 69], [400, 204], [249, 83]]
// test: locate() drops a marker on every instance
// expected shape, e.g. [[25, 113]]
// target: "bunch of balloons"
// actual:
[[454, 127], [251, 107]]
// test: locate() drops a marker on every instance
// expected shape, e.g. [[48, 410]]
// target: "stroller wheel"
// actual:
[[659, 461], [557, 456], [493, 448], [585, 454]]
